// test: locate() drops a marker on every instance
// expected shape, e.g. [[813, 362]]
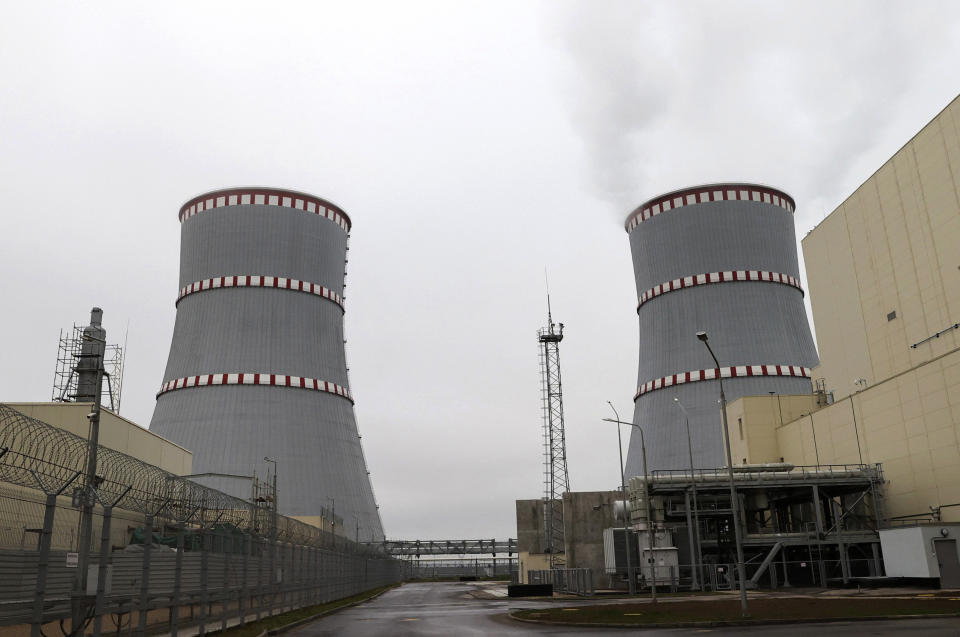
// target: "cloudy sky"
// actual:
[[475, 145]]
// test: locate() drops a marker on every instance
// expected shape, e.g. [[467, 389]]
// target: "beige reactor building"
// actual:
[[883, 274]]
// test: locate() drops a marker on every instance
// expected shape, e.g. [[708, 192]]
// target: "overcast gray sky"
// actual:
[[473, 144]]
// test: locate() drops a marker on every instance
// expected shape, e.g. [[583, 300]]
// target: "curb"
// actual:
[[306, 620], [731, 623]]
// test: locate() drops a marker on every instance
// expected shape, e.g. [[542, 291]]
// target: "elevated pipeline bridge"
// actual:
[[418, 548]]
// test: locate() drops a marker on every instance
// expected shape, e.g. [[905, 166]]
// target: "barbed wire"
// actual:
[[37, 455]]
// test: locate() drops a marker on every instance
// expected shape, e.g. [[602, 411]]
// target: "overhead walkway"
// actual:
[[447, 547]]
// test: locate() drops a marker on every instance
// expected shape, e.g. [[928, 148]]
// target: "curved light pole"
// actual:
[[694, 539], [631, 588], [646, 496], [734, 502]]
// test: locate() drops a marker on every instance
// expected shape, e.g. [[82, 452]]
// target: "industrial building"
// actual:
[[858, 451], [256, 379], [21, 507], [884, 277], [719, 258]]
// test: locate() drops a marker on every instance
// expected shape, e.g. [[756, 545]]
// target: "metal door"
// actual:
[[949, 565]]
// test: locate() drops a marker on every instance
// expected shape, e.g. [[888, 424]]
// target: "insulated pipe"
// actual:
[[681, 478]]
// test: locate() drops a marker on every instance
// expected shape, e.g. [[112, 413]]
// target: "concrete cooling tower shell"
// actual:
[[722, 259], [257, 365]]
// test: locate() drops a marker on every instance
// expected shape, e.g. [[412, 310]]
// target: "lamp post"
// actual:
[[646, 496], [695, 539], [333, 521], [631, 585], [734, 502]]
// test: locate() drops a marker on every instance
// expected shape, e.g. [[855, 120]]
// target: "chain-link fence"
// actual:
[[166, 553], [576, 581], [816, 571]]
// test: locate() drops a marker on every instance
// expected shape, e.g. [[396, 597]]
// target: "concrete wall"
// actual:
[[585, 515], [892, 246], [530, 526], [755, 420]]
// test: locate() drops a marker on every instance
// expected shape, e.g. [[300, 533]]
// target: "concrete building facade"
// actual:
[[884, 279]]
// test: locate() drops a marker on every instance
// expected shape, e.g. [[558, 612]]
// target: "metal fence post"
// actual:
[[301, 580], [272, 572], [43, 560], [144, 604], [177, 583], [204, 580], [244, 585], [105, 559], [225, 580]]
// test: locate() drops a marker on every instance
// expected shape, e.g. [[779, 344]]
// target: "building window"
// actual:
[[892, 315], [740, 422]]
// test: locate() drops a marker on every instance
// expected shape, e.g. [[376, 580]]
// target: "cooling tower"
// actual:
[[722, 259], [257, 365]]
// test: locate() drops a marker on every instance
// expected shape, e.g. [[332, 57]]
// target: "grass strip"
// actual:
[[707, 611], [253, 629]]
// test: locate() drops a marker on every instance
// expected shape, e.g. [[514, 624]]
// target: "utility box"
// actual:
[[667, 562], [928, 551]]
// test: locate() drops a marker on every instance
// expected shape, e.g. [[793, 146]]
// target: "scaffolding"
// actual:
[[556, 481], [69, 355]]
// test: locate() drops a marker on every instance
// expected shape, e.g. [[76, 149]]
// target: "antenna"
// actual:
[[556, 481]]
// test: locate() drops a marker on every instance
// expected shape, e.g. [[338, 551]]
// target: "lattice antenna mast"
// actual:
[[556, 481]]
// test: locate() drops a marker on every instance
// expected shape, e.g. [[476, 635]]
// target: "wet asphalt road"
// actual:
[[449, 610]]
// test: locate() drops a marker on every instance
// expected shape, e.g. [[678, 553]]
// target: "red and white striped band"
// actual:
[[722, 372], [265, 197], [279, 380], [718, 277], [258, 281], [704, 194]]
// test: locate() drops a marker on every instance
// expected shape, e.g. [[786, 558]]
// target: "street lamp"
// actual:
[[694, 541], [333, 520], [734, 503], [646, 496], [631, 586]]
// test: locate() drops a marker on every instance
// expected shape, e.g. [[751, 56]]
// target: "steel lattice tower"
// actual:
[[555, 479]]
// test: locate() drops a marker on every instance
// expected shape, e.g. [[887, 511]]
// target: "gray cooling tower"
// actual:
[[722, 259], [257, 365]]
